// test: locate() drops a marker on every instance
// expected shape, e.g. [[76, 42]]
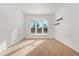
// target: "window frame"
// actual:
[[42, 28]]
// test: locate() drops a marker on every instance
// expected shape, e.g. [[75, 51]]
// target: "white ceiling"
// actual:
[[40, 8], [36, 8]]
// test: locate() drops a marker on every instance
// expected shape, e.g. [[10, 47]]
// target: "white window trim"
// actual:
[[42, 30]]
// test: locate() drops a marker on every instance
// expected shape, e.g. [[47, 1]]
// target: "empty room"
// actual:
[[39, 29]]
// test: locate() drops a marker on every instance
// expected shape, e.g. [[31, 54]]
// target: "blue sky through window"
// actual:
[[39, 23]]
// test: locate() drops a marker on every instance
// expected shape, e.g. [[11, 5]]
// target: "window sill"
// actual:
[[39, 34]]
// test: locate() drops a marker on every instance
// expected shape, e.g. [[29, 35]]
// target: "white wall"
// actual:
[[11, 25], [29, 17], [68, 30]]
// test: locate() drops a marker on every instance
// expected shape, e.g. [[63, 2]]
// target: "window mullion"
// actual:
[[36, 27], [42, 29]]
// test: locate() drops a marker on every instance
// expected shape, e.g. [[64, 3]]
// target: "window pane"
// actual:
[[32, 30], [39, 26], [45, 30], [45, 26], [33, 24], [33, 27]]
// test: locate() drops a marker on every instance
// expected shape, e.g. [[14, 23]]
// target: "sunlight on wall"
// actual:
[[14, 36], [3, 46]]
